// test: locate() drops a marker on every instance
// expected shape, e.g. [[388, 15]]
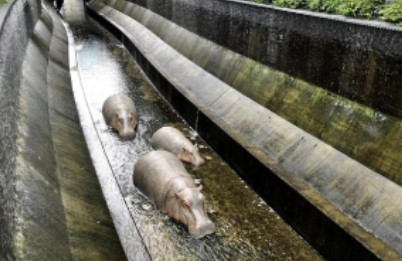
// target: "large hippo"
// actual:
[[120, 114], [161, 176], [171, 139]]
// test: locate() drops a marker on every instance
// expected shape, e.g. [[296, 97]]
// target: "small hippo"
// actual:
[[161, 176], [120, 114], [171, 139]]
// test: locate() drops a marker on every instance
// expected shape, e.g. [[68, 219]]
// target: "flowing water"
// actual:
[[247, 228]]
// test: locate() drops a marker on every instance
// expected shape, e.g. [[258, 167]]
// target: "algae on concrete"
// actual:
[[365, 134]]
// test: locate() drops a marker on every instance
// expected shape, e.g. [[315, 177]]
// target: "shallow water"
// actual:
[[247, 228]]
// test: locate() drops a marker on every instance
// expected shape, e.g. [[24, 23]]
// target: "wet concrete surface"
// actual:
[[307, 181], [247, 228], [364, 134], [359, 60]]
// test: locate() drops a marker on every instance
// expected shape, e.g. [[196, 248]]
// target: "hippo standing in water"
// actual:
[[120, 114], [161, 176], [171, 139]]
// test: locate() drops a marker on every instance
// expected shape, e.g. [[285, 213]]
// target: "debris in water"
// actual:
[[146, 206]]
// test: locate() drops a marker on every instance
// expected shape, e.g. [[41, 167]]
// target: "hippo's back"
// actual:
[[169, 139], [154, 172]]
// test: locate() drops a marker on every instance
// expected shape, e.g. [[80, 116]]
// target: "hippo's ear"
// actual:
[[179, 195]]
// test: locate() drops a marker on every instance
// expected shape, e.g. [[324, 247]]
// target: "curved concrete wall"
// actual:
[[15, 39], [362, 133], [45, 211], [358, 60], [339, 205]]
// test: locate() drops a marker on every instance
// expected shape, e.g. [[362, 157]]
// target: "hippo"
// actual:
[[120, 114], [173, 140], [161, 176]]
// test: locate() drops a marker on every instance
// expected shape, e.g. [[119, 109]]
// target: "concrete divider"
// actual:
[[46, 171], [366, 135], [360, 60], [338, 204]]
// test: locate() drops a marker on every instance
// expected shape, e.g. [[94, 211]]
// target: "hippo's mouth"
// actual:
[[127, 135], [201, 225], [202, 231]]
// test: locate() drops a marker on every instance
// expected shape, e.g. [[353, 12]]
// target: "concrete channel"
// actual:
[[276, 188]]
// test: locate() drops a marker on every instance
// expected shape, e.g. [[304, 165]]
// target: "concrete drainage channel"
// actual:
[[47, 154], [51, 158], [253, 230], [296, 173]]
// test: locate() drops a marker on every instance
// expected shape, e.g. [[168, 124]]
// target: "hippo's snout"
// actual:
[[127, 134], [202, 230]]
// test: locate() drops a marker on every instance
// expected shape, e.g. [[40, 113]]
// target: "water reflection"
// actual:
[[247, 229]]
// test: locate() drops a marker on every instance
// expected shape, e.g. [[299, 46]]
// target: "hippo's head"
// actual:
[[124, 123], [190, 154], [188, 207]]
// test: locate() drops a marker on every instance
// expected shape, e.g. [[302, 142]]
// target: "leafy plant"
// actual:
[[331, 6], [360, 8], [315, 5], [328, 6], [289, 3], [388, 10], [393, 12], [262, 1]]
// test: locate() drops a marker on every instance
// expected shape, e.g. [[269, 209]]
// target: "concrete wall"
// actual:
[[50, 199], [360, 132], [358, 60], [338, 204], [13, 42]]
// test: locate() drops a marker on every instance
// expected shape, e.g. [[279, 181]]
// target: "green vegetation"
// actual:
[[2, 2], [390, 11], [360, 8], [393, 12], [289, 3]]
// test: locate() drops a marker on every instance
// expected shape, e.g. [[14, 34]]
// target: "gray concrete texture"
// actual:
[[360, 60], [338, 185], [364, 134], [50, 197]]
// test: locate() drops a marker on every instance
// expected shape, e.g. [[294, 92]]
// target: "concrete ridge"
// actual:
[[358, 62], [286, 95], [322, 175]]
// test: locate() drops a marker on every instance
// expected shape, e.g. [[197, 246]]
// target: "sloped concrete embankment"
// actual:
[[343, 207], [51, 205], [358, 59]]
